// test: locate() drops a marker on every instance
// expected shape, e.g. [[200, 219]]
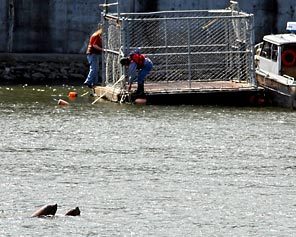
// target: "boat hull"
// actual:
[[277, 93]]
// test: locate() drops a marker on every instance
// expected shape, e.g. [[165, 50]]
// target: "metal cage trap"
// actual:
[[184, 46]]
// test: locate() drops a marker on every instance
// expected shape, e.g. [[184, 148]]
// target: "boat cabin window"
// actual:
[[269, 51]]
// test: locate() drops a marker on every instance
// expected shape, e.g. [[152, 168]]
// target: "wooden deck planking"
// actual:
[[196, 86]]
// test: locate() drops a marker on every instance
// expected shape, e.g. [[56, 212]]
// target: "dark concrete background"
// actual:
[[63, 26]]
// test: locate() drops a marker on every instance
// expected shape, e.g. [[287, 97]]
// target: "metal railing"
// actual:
[[197, 45]]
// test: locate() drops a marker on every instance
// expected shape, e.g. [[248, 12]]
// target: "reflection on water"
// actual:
[[144, 170]]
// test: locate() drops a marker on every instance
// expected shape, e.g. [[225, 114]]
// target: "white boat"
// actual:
[[276, 67]]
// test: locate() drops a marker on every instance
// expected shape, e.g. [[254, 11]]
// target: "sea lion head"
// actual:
[[46, 210], [73, 212]]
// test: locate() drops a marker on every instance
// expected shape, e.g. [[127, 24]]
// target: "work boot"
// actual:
[[140, 90]]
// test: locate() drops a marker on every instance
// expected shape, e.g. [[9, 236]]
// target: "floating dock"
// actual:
[[173, 93]]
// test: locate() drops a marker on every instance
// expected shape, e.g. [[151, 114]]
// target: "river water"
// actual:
[[144, 170]]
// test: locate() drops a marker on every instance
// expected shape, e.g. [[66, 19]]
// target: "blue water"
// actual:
[[144, 170]]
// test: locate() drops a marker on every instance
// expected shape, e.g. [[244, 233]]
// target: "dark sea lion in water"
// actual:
[[73, 212], [47, 210]]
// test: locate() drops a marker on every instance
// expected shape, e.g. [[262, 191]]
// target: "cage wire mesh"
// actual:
[[188, 46], [112, 44]]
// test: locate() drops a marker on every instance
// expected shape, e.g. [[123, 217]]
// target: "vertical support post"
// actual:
[[103, 73], [230, 48], [11, 18], [105, 31], [234, 5], [106, 7], [118, 9], [123, 45], [166, 48], [105, 43], [189, 52], [121, 69], [252, 52]]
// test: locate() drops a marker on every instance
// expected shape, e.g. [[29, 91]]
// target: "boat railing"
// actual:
[[290, 80], [258, 48]]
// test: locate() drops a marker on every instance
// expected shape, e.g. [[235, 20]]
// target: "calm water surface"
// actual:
[[144, 170]]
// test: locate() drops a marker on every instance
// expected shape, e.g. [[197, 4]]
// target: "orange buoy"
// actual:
[[72, 94], [140, 101], [62, 102]]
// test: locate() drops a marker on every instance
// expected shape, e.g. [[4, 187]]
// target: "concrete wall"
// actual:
[[3, 25], [47, 69], [192, 5], [63, 26], [59, 26], [271, 16]]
